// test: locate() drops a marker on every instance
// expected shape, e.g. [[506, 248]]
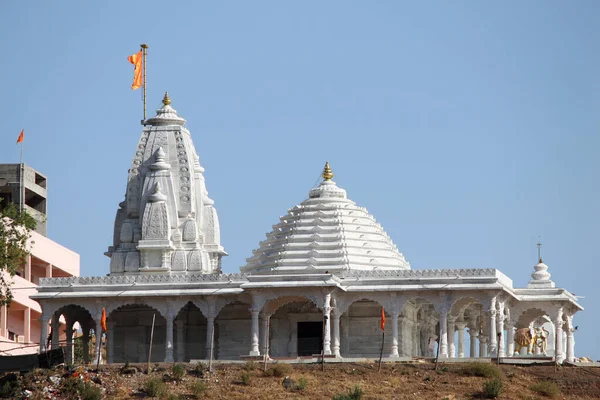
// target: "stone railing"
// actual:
[[140, 279], [423, 273]]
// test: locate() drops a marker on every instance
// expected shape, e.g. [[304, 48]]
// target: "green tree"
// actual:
[[15, 230]]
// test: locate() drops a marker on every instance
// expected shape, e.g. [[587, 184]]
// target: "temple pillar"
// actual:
[[98, 331], [254, 351], [85, 343], [443, 334], [110, 341], [451, 344], [394, 348], [345, 328], [500, 331], [460, 326], [558, 323], [327, 325], [483, 346], [493, 344], [336, 334], [54, 330], [472, 343], [510, 339], [263, 321], [69, 340], [570, 339], [210, 331], [179, 326], [44, 320], [169, 340]]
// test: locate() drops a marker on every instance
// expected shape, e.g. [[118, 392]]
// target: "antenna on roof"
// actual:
[[539, 246]]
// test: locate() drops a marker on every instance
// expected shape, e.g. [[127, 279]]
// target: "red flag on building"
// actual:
[[21, 136], [382, 319], [103, 320]]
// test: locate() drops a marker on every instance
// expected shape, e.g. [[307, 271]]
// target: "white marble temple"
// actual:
[[318, 281]]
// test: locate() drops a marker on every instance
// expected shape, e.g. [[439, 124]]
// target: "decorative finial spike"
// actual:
[[166, 100], [539, 246], [327, 173]]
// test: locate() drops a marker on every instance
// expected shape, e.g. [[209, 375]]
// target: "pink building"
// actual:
[[19, 322]]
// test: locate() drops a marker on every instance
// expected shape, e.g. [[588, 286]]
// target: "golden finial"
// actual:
[[166, 99], [327, 173]]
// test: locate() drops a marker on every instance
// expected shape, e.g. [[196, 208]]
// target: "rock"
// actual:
[[287, 383], [27, 393], [55, 379]]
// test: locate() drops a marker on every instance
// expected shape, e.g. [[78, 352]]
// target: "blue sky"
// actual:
[[467, 128]]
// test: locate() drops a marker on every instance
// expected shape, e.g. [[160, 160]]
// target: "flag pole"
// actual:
[[22, 194], [145, 53]]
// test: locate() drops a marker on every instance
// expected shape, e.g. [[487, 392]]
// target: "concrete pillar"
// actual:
[[570, 346], [27, 324], [483, 348], [27, 268], [558, 323], [394, 349], [98, 331], [180, 340], [336, 334], [472, 343], [54, 329], [210, 329], [510, 339], [460, 326], [49, 271], [169, 342], [345, 328], [443, 334], [493, 344], [415, 339], [44, 320], [327, 325], [451, 345], [4, 321], [254, 351], [85, 343], [69, 337], [500, 330]]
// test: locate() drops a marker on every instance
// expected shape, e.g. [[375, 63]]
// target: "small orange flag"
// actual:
[[103, 320], [136, 59], [21, 136], [382, 319]]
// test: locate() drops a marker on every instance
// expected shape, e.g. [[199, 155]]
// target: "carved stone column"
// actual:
[[570, 339], [169, 342], [293, 342], [85, 343], [98, 332], [179, 326], [55, 325], [493, 344], [510, 338], [483, 346], [44, 319], [210, 331], [451, 345], [327, 325], [558, 323], [472, 343], [336, 334], [460, 326], [394, 349], [110, 341], [254, 351], [345, 328], [443, 334], [500, 331], [264, 321]]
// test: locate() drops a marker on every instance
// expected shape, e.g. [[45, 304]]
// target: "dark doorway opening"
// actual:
[[310, 338]]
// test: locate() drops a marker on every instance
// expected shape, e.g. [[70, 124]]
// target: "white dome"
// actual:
[[325, 233]]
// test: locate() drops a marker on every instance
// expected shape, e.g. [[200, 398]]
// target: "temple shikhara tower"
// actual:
[[316, 284]]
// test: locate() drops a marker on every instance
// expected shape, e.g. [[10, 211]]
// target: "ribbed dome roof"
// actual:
[[325, 233]]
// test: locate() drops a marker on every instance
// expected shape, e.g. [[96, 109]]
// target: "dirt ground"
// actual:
[[395, 381]]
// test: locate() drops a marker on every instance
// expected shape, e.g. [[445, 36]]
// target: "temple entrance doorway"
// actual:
[[310, 338]]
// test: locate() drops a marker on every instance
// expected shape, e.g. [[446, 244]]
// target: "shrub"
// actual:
[[353, 394], [178, 372], [90, 392], [301, 384], [10, 387], [197, 388], [279, 370], [484, 370], [492, 388], [546, 388], [155, 387], [245, 378], [71, 387], [200, 369], [249, 366]]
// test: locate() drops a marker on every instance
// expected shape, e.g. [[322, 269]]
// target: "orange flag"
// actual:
[[103, 320], [382, 319], [21, 136], [136, 59]]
